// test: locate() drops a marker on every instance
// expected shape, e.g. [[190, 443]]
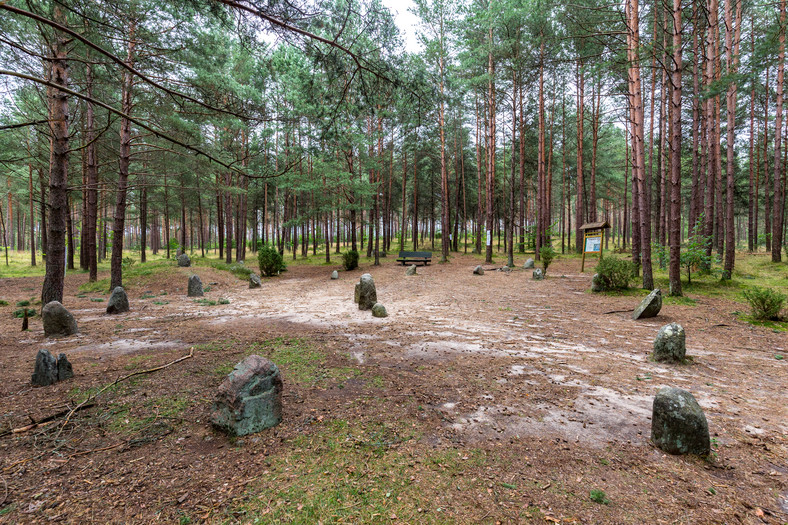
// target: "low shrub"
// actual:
[[350, 260], [270, 261], [614, 273], [765, 303], [547, 254]]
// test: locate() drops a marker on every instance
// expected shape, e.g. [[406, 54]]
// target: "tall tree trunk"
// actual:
[[124, 156], [579, 207], [732, 20], [675, 156], [52, 289], [779, 201], [490, 151], [711, 176]]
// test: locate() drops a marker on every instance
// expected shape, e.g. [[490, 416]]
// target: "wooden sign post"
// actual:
[[592, 239]]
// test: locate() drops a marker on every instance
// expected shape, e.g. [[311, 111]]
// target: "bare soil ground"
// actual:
[[489, 398]]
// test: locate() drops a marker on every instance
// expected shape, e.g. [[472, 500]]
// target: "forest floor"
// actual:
[[481, 399]]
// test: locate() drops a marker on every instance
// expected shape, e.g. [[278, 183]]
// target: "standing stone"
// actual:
[[411, 270], [195, 287], [118, 301], [45, 372], [357, 295], [478, 270], [670, 344], [335, 275], [184, 261], [57, 320], [538, 274], [250, 398], [64, 369], [379, 311], [678, 425], [528, 264], [596, 284], [367, 295], [254, 281], [650, 306]]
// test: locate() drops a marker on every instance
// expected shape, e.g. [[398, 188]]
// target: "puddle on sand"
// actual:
[[125, 346]]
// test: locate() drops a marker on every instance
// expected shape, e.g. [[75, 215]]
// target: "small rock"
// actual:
[[254, 281], [184, 261], [57, 320], [596, 284], [367, 295], [250, 398], [45, 372], [118, 301], [538, 274], [678, 424], [478, 270], [411, 270], [528, 264], [64, 369], [670, 344], [335, 275], [195, 287], [378, 310], [650, 306], [506, 269]]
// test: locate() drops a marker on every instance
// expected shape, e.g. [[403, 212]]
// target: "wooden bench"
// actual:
[[414, 257]]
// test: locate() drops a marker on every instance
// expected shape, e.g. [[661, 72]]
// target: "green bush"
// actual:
[[271, 261], [547, 254], [765, 303], [350, 260], [614, 273]]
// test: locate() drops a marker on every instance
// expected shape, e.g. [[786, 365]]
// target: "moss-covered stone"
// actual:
[[678, 424]]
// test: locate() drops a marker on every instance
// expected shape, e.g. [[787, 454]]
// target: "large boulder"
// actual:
[[411, 270], [478, 270], [650, 306], [334, 275], [367, 295], [378, 310], [678, 425], [529, 263], [254, 281], [58, 322], [250, 398], [118, 301], [64, 369], [670, 344], [184, 261], [45, 372], [538, 274], [195, 287]]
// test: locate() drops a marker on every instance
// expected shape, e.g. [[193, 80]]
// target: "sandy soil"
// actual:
[[548, 376]]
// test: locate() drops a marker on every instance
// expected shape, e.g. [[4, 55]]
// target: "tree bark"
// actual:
[[675, 156], [777, 207]]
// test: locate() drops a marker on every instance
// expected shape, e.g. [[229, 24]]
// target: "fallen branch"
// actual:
[[5, 491], [37, 424]]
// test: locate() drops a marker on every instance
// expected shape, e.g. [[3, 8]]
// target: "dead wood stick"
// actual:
[[118, 380], [616, 312], [5, 491], [36, 424]]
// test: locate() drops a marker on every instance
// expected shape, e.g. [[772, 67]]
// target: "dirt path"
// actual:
[[539, 373]]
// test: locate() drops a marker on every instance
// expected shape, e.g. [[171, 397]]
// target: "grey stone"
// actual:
[[118, 301], [58, 322], [195, 287], [254, 281], [335, 275], [250, 398], [506, 269], [538, 274], [596, 284], [670, 344], [678, 425], [367, 295], [650, 306], [357, 293], [528, 264], [45, 372], [184, 261], [64, 369], [478, 270], [378, 310], [411, 270]]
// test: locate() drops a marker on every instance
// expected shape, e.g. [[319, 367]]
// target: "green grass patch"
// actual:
[[135, 361], [205, 302], [97, 299], [681, 300], [241, 271], [124, 420], [351, 473], [599, 496], [8, 509]]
